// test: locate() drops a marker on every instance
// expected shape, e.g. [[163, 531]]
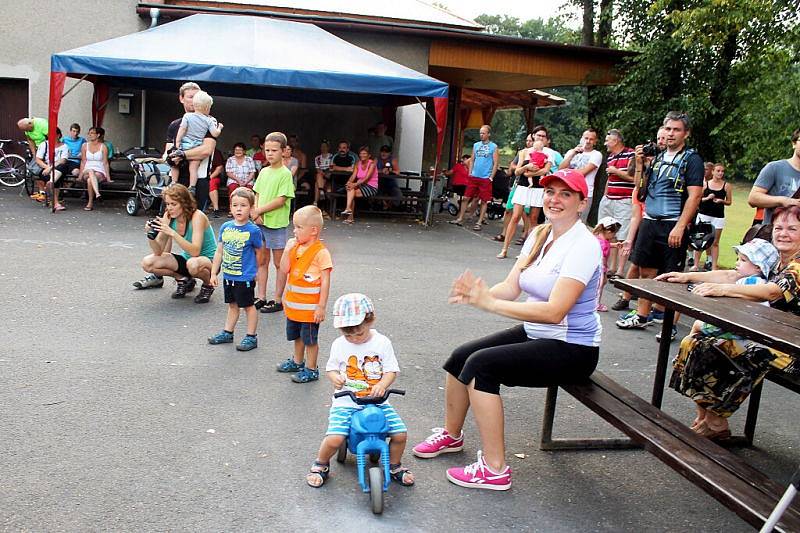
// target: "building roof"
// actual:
[[229, 50], [415, 11]]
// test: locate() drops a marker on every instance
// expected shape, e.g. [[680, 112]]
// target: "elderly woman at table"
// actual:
[[559, 273], [718, 371]]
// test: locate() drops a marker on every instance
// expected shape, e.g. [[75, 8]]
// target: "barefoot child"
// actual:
[[239, 245], [308, 265], [605, 231], [363, 361], [274, 190], [192, 131]]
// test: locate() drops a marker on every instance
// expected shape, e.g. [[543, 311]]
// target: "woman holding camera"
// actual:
[[189, 228]]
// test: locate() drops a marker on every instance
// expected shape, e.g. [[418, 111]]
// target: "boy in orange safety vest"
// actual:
[[307, 265]]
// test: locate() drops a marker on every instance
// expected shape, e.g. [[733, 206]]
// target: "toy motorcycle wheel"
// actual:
[[376, 489], [341, 455]]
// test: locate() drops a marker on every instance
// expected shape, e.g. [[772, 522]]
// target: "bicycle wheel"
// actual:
[[12, 170]]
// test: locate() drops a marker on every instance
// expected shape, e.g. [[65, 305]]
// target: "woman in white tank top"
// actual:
[[94, 165]]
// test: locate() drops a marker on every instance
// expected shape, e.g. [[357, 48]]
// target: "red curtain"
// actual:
[[57, 80], [99, 102], [440, 107]]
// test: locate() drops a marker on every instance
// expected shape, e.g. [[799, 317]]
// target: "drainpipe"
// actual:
[[154, 14]]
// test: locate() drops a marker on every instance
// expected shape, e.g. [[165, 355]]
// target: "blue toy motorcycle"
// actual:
[[368, 432]]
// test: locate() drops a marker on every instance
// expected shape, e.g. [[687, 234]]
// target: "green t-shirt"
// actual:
[[272, 183], [39, 131]]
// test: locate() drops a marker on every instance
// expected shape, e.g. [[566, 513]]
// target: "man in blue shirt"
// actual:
[[74, 141], [673, 191], [482, 167]]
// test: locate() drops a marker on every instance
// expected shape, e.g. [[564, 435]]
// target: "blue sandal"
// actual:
[[319, 472], [398, 474]]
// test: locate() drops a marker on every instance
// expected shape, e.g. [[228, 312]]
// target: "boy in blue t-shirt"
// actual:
[[239, 247]]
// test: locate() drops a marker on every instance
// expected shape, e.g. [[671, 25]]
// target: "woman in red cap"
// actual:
[[559, 270]]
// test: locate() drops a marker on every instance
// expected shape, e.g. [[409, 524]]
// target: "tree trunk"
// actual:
[[604, 26], [587, 33]]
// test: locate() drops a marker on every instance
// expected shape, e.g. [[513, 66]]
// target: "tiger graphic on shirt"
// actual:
[[361, 378]]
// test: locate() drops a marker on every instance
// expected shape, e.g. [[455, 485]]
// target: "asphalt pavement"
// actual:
[[115, 413]]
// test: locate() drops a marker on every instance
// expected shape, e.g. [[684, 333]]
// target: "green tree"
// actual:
[[731, 64], [543, 30]]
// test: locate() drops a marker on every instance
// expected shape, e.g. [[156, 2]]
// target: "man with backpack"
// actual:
[[671, 195]]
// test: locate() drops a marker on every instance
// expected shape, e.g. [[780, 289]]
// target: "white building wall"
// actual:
[[35, 29]]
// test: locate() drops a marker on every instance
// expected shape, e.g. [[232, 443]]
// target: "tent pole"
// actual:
[[76, 84], [143, 126], [430, 116]]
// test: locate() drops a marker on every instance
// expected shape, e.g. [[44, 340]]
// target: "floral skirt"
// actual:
[[719, 371]]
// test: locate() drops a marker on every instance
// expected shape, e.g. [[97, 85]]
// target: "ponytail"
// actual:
[[542, 232]]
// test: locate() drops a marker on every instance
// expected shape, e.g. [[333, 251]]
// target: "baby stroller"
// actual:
[[500, 188], [150, 176]]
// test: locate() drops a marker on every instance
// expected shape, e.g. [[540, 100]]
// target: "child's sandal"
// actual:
[[318, 474], [401, 475]]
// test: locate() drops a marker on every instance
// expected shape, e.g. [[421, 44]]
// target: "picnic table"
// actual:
[[717, 471], [777, 329]]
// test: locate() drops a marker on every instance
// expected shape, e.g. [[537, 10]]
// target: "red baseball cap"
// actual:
[[573, 179]]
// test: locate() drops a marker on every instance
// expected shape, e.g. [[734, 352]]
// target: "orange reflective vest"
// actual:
[[301, 296]]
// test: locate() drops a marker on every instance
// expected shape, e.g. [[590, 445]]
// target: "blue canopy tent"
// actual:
[[250, 57]]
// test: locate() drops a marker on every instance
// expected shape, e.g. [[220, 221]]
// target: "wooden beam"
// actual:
[[481, 63]]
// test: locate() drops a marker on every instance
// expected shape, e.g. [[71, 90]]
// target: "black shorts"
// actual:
[[182, 269], [308, 332], [652, 249], [512, 359], [459, 189], [241, 293]]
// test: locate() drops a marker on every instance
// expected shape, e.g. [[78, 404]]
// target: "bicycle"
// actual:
[[14, 168]]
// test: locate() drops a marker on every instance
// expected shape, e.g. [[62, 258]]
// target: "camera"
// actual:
[[153, 233], [650, 149]]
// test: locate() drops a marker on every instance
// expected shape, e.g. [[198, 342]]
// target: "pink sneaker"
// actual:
[[440, 442], [602, 308], [478, 475]]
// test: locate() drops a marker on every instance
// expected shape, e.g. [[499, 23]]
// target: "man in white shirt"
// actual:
[[55, 169], [586, 160]]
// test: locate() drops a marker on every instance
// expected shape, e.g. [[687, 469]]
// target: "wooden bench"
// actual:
[[412, 204], [720, 473]]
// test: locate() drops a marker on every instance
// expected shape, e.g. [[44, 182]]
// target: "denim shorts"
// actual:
[[274, 238], [306, 331]]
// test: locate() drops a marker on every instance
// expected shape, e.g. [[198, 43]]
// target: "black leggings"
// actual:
[[512, 359]]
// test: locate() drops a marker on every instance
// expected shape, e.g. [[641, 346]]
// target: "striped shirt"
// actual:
[[617, 188]]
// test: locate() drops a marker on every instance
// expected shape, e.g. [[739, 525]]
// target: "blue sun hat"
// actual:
[[351, 309], [761, 253]]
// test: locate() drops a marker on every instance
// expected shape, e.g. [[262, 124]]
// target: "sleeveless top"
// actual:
[[301, 296], [94, 160], [209, 246], [361, 173], [710, 208]]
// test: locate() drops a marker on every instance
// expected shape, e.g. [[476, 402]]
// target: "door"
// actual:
[[13, 106]]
